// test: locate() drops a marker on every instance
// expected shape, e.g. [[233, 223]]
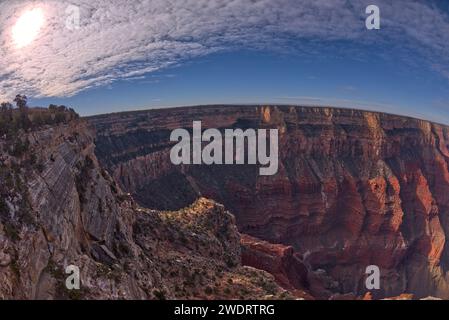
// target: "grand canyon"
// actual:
[[354, 188], [214, 153]]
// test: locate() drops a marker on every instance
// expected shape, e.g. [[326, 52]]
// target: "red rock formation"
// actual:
[[279, 260], [354, 188]]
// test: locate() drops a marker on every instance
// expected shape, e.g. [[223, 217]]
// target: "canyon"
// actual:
[[59, 207], [354, 188]]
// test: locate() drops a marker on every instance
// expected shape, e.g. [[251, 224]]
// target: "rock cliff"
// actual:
[[58, 207], [354, 188]]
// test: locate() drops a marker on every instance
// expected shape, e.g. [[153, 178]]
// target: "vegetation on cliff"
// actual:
[[22, 117]]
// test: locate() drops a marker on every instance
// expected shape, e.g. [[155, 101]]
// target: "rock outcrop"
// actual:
[[280, 261], [354, 188], [58, 207]]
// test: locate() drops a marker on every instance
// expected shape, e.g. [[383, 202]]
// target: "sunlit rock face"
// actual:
[[354, 188]]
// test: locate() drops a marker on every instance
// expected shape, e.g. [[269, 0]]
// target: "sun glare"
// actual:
[[28, 27]]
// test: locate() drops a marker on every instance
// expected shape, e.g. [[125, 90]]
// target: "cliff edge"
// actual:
[[58, 207]]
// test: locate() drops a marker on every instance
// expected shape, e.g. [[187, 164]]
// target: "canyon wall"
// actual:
[[58, 207], [354, 188]]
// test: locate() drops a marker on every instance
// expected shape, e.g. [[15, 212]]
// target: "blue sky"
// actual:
[[150, 54], [263, 77]]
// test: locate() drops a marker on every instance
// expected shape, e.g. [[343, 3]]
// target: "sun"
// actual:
[[27, 28]]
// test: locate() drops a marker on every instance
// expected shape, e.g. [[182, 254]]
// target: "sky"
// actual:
[[113, 55]]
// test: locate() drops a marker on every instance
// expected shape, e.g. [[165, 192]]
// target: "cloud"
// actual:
[[127, 39]]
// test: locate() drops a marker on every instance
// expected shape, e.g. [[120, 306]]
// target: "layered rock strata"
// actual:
[[58, 207], [354, 188]]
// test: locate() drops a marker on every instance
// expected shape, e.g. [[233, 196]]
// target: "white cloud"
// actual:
[[125, 39]]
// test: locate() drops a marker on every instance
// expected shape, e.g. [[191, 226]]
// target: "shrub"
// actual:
[[4, 210], [24, 118], [208, 290], [159, 294]]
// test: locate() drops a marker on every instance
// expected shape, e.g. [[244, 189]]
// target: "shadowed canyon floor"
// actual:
[[354, 188]]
